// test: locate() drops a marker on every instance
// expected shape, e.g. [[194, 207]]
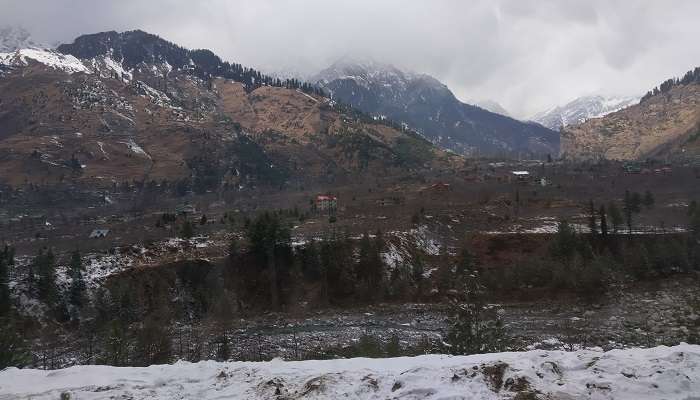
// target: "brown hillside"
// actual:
[[664, 125], [100, 129]]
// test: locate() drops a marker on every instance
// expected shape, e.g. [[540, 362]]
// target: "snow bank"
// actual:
[[661, 372]]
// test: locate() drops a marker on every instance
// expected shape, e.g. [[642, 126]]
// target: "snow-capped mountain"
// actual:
[[582, 109], [427, 105], [368, 72], [18, 48], [13, 38]]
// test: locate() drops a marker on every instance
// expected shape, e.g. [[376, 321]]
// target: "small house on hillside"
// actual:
[[520, 176], [326, 203], [99, 233], [632, 168], [185, 209], [437, 187]]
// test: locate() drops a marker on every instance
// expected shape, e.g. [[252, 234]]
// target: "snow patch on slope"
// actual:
[[131, 144], [50, 58], [109, 65]]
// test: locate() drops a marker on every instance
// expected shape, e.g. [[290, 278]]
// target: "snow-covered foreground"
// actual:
[[657, 373]]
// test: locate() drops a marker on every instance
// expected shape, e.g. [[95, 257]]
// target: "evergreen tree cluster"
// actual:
[[588, 264], [6, 262], [475, 328], [13, 347], [690, 77], [341, 268], [694, 214], [134, 48]]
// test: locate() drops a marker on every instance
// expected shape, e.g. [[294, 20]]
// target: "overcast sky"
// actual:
[[526, 55]]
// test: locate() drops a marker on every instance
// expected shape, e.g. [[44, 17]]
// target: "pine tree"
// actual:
[[565, 242], [6, 260], [695, 223], [417, 271], [186, 230], [393, 347], [45, 265], [631, 206], [116, 344], [13, 348], [648, 200], [268, 235], [592, 223], [465, 262], [370, 269], [444, 278], [615, 217], [474, 329], [223, 352], [603, 221], [76, 261], [102, 307], [364, 267], [153, 342], [77, 288]]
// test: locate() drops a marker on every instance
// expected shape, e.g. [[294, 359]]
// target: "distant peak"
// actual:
[[353, 66], [13, 38], [490, 105], [583, 108], [365, 70]]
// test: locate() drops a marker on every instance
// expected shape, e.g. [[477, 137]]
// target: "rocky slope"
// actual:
[[582, 109], [427, 105], [115, 107], [666, 123]]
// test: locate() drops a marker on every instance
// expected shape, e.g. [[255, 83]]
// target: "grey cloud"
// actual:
[[525, 54]]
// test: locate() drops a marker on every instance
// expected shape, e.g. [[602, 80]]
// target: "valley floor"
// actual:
[[655, 373], [637, 315]]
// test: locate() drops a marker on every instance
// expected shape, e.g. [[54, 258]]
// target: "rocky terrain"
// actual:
[[664, 124]]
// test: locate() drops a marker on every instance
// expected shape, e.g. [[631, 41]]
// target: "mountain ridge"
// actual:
[[581, 109], [427, 105], [664, 124], [114, 107]]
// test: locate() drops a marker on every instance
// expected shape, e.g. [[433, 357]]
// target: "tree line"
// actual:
[[690, 77], [131, 319]]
